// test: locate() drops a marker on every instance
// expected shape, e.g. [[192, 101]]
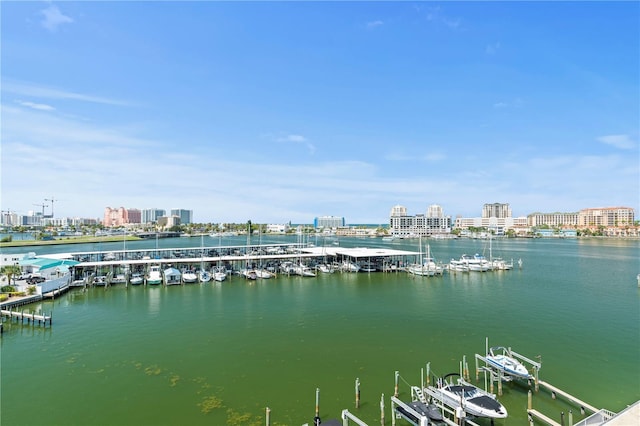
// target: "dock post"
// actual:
[[570, 417], [395, 391], [428, 373], [316, 419], [267, 417], [529, 400], [382, 411], [562, 418], [499, 383], [357, 393]]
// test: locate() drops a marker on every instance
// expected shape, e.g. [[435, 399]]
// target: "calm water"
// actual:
[[216, 354]]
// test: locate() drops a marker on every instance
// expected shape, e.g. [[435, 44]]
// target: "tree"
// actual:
[[10, 271]]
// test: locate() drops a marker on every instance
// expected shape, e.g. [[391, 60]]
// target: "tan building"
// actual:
[[120, 216], [606, 216]]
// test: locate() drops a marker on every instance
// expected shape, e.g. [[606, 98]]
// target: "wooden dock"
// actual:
[[556, 391], [537, 414], [30, 317]]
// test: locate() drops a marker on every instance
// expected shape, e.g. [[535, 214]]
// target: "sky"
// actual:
[[281, 112]]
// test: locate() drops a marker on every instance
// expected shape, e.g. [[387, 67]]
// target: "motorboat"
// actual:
[[172, 276], [119, 279], [502, 359], [154, 276], [100, 280], [136, 279], [204, 276], [470, 398], [263, 273], [220, 274], [189, 276]]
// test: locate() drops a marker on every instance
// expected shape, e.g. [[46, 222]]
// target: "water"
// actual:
[[218, 354]]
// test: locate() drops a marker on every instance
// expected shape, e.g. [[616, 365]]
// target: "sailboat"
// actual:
[[427, 266]]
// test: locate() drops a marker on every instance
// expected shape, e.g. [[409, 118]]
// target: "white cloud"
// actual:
[[53, 18], [33, 105], [618, 141], [36, 91], [298, 139], [374, 24]]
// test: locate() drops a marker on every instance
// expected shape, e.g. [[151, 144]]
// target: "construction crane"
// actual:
[[43, 206], [52, 200]]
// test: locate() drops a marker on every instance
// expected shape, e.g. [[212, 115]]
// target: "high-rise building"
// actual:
[[186, 216], [498, 210], [434, 222], [152, 215], [328, 222]]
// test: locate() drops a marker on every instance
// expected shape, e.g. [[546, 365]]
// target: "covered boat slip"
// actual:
[[238, 256]]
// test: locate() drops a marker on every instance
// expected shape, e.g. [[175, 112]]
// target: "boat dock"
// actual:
[[234, 258], [557, 391], [30, 317]]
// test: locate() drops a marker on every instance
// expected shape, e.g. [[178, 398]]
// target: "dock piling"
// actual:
[[357, 393]]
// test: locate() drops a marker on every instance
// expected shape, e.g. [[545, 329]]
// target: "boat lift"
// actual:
[[498, 375], [425, 395]]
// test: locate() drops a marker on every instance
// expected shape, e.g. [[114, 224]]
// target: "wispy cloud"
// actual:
[[297, 139], [37, 91], [492, 49], [33, 105], [515, 103], [435, 14], [618, 141], [53, 18], [374, 24]]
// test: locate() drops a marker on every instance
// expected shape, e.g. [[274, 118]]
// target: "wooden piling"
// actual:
[[382, 411], [267, 416], [357, 393]]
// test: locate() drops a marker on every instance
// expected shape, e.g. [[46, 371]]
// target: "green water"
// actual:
[[217, 354]]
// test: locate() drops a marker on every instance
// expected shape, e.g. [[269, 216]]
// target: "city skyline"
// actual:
[[285, 111]]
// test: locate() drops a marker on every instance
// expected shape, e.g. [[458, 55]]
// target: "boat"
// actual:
[[172, 276], [220, 274], [100, 280], [136, 279], [502, 359], [263, 273], [189, 276], [119, 279], [428, 267], [421, 407], [458, 265], [325, 268], [154, 276], [303, 270], [204, 276], [348, 266], [249, 274], [470, 398]]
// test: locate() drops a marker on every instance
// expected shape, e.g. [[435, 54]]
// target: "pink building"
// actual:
[[121, 216]]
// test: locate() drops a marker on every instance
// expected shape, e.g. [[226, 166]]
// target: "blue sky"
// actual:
[[284, 111]]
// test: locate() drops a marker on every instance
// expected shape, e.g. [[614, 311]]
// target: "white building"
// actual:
[[405, 226]]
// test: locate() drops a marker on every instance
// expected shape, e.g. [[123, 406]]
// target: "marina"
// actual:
[[198, 347]]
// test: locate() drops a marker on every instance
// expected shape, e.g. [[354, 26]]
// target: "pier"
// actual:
[[30, 317]]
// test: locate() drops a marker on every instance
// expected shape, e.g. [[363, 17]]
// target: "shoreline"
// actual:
[[67, 240]]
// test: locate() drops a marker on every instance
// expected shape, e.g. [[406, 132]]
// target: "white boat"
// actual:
[[470, 398], [325, 268], [303, 270], [249, 274], [154, 276], [428, 267], [204, 276], [263, 273], [172, 276], [136, 279], [220, 274], [348, 266], [457, 265], [189, 276], [119, 279], [501, 358], [100, 280]]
